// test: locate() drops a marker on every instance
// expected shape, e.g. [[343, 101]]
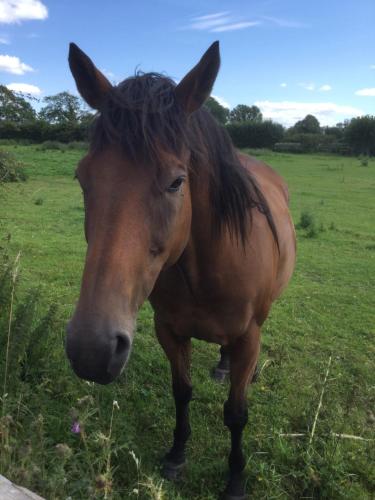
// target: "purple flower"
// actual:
[[76, 429]]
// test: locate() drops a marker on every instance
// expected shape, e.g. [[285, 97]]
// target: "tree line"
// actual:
[[63, 117], [248, 128]]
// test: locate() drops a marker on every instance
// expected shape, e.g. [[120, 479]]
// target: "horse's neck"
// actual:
[[201, 255]]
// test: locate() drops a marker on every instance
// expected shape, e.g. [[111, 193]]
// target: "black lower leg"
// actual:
[[235, 419], [223, 366], [224, 358], [176, 456]]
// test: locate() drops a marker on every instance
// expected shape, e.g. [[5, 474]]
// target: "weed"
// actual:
[[307, 220], [363, 161], [11, 170]]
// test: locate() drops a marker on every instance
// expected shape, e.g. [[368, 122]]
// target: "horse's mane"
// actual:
[[142, 115]]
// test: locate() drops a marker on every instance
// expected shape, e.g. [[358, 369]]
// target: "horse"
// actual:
[[176, 215]]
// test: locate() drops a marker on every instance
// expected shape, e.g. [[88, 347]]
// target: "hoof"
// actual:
[[172, 471], [219, 374]]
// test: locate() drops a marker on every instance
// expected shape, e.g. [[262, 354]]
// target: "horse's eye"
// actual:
[[176, 184]]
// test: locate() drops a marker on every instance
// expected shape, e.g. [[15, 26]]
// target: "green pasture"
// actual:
[[311, 415]]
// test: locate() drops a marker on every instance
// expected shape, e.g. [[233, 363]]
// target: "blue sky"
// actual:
[[290, 57]]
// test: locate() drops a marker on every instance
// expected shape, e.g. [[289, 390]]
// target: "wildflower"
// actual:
[[76, 429], [115, 404]]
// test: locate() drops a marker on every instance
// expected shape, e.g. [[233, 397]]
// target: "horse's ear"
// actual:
[[196, 86], [91, 83]]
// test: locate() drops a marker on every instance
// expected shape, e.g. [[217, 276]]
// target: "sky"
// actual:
[[289, 57]]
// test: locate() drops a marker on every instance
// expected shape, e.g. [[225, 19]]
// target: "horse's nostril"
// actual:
[[123, 344]]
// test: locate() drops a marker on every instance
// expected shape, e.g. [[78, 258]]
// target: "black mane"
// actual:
[[142, 115]]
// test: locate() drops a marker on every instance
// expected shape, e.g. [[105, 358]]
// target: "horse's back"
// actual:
[[275, 190]]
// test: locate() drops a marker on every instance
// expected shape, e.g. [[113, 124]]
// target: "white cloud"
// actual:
[[220, 22], [221, 101], [210, 21], [284, 23], [235, 26], [14, 65], [307, 86], [325, 88], [25, 88], [370, 92], [14, 11], [289, 112], [211, 16], [283, 85]]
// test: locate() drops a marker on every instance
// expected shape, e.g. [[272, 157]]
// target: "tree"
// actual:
[[217, 110], [243, 113], [14, 108], [309, 125], [360, 134], [62, 108]]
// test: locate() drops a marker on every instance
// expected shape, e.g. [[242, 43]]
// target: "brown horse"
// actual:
[[174, 214]]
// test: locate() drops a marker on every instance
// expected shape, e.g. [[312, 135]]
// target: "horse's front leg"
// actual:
[[243, 360], [178, 351]]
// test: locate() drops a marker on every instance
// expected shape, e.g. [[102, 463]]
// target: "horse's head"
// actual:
[[135, 182]]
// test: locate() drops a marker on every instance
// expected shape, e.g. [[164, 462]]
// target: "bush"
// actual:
[[364, 161], [40, 131], [310, 143], [11, 170], [307, 220], [55, 145], [77, 145], [360, 135], [255, 135], [308, 224], [288, 147]]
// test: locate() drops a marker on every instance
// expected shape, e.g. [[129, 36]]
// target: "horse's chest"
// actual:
[[210, 313]]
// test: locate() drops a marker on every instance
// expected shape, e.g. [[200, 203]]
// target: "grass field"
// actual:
[[311, 425]]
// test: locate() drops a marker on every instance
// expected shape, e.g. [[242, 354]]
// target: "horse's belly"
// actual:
[[217, 324]]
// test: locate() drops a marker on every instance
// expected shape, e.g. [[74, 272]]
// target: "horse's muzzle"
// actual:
[[97, 356]]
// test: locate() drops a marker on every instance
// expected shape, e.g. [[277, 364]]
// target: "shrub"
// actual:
[[56, 145], [364, 161], [11, 170], [308, 224], [307, 220], [255, 135], [39, 131], [288, 147], [77, 145]]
